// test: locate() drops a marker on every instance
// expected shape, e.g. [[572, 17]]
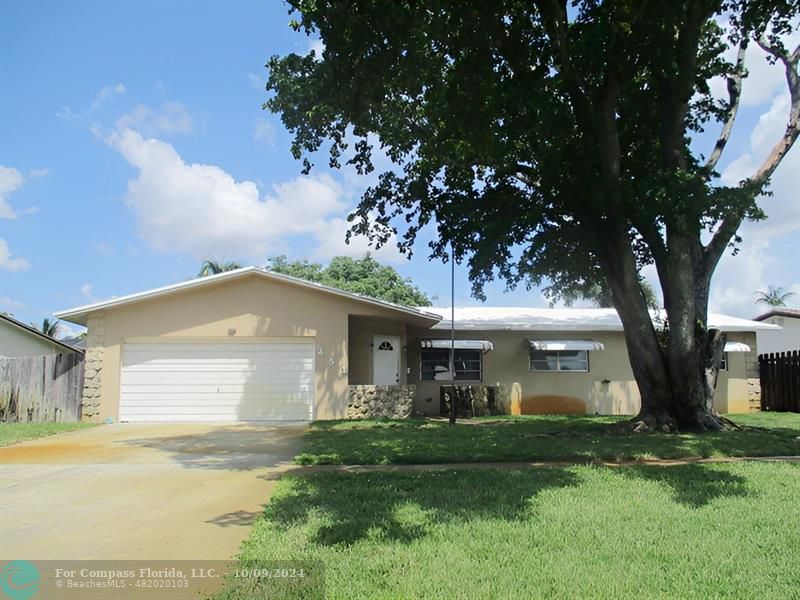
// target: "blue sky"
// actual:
[[133, 144]]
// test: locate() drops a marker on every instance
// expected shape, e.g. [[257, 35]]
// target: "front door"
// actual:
[[386, 360]]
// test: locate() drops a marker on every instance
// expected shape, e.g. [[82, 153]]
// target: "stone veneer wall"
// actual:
[[753, 381], [93, 373], [380, 401]]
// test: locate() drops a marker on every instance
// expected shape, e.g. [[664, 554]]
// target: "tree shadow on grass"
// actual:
[[574, 438], [404, 506], [693, 485]]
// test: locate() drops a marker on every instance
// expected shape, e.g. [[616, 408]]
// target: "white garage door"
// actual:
[[217, 381]]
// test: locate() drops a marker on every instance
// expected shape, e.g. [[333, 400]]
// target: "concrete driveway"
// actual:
[[139, 491]]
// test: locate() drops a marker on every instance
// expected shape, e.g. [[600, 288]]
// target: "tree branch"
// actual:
[[727, 228], [783, 145], [734, 94]]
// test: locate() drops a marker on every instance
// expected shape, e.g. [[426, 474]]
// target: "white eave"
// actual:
[[487, 318], [80, 313]]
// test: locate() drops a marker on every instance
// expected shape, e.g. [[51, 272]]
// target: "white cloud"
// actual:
[[10, 181], [257, 81], [203, 211], [104, 248], [38, 173], [763, 79], [757, 264], [8, 262], [264, 131], [170, 118], [10, 304], [87, 293], [332, 243], [318, 46], [106, 93], [67, 330]]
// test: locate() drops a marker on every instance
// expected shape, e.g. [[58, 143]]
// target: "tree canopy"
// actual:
[[550, 143], [364, 276], [212, 266]]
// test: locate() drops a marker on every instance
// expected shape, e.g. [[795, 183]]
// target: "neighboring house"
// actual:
[[18, 339], [786, 338], [254, 345]]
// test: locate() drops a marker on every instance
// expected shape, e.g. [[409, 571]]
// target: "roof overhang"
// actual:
[[484, 345], [559, 345], [80, 314], [35, 332]]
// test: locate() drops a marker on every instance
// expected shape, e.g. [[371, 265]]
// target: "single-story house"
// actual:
[[18, 339], [250, 345], [784, 339]]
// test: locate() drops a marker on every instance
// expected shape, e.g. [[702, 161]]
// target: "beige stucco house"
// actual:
[[784, 339], [255, 345], [19, 340]]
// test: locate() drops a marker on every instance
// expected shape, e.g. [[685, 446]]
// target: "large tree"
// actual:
[[551, 141], [364, 276]]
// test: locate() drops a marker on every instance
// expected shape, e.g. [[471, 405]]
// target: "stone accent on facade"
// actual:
[[754, 394], [93, 373], [380, 401]]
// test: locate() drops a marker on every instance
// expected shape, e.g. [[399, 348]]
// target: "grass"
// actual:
[[528, 438], [692, 531], [11, 433]]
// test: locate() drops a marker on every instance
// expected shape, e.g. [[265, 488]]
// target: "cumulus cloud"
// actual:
[[170, 118], [106, 93], [331, 242], [257, 81], [8, 262], [10, 181], [758, 265], [264, 131], [201, 210], [10, 304], [87, 293], [763, 79]]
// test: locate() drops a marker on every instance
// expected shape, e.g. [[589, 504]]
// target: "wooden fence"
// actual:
[[41, 389], [780, 381]]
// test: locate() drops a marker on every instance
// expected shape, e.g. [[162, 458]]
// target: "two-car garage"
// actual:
[[217, 381]]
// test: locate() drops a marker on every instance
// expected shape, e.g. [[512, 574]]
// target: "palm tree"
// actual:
[[774, 296], [49, 328], [214, 267]]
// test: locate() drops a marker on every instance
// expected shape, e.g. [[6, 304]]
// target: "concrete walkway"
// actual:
[[139, 491]]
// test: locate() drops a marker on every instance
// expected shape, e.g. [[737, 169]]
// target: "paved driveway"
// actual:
[[139, 491]]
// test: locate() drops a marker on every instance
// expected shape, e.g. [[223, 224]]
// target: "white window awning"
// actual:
[[555, 345], [736, 347], [483, 345]]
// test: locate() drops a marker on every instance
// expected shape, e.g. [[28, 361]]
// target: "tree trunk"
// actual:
[[644, 351], [676, 375]]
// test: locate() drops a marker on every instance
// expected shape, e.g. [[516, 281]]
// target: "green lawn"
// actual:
[[692, 531], [11, 433], [531, 438]]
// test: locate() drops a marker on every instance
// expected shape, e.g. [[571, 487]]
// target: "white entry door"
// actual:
[[386, 360], [223, 381]]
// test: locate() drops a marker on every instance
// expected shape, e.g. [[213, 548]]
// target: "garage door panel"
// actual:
[[217, 381]]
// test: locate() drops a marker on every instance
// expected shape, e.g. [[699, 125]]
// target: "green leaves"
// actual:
[[364, 276]]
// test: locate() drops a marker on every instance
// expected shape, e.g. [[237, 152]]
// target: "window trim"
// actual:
[[457, 381], [531, 369]]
